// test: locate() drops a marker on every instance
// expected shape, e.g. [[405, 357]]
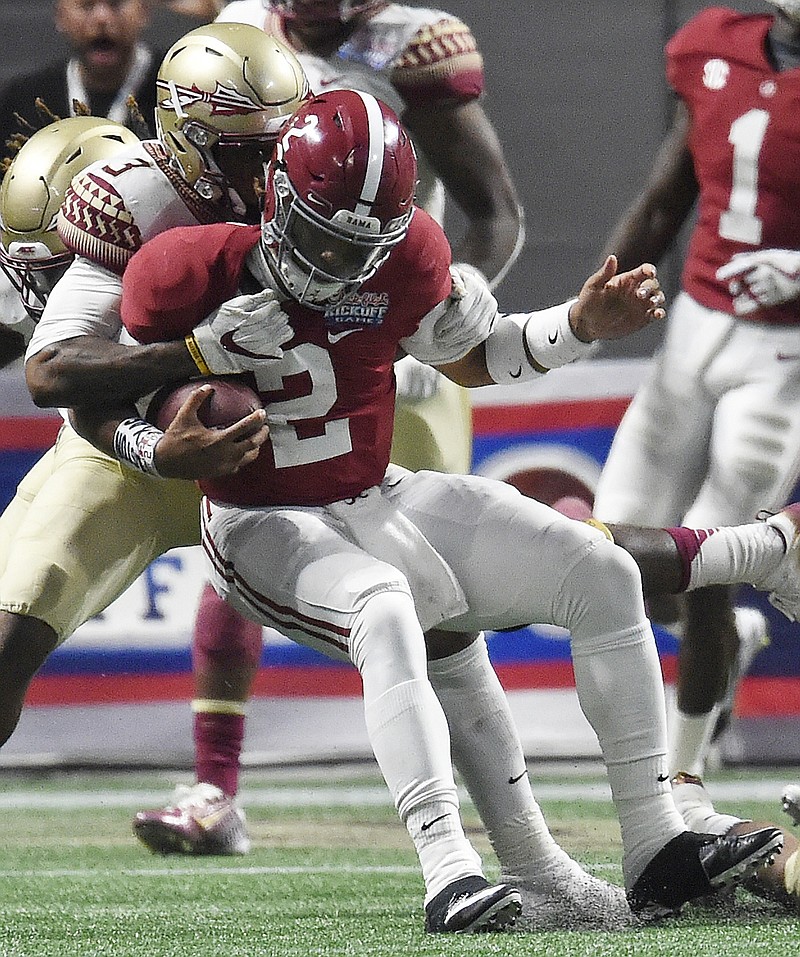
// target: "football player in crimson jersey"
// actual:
[[426, 65], [713, 434], [323, 539]]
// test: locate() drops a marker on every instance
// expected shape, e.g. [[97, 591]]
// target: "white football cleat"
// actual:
[[696, 808], [790, 801], [783, 584], [201, 820]]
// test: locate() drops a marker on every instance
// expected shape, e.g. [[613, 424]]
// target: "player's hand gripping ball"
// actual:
[[232, 399]]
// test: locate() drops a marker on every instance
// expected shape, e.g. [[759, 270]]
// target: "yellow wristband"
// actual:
[[196, 354]]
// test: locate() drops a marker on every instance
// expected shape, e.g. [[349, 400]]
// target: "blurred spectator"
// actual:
[[108, 63]]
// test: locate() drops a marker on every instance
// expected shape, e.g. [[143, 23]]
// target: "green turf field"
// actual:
[[332, 873]]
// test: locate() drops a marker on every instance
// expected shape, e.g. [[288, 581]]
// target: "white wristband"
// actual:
[[524, 346], [549, 338], [135, 442]]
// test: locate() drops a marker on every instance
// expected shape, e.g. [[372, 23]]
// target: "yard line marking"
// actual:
[[214, 871], [359, 795]]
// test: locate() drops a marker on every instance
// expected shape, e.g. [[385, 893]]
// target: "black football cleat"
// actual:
[[472, 905], [692, 865]]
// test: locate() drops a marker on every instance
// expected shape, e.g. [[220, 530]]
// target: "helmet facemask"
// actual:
[[322, 261], [33, 271]]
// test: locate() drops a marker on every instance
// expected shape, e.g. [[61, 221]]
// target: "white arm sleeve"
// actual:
[[84, 302], [527, 345]]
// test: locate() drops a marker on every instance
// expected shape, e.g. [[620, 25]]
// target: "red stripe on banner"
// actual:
[[140, 689], [757, 697], [549, 416], [25, 433], [522, 677], [768, 697]]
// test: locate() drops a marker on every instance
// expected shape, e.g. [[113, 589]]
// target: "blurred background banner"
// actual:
[[577, 94]]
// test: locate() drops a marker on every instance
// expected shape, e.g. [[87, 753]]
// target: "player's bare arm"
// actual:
[[62, 375], [610, 305], [465, 151], [650, 225]]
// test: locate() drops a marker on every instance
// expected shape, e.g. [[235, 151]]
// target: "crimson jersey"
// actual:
[[745, 143], [330, 399]]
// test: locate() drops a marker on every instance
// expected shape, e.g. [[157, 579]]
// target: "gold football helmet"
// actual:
[[31, 253], [224, 84]]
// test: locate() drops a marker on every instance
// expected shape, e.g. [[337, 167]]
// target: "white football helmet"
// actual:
[[31, 252], [339, 196]]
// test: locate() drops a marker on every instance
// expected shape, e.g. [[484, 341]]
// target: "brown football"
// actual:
[[232, 399]]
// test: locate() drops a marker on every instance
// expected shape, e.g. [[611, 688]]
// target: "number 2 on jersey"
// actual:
[[739, 221], [286, 416]]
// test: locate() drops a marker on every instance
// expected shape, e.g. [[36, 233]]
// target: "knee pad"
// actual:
[[602, 593], [387, 643]]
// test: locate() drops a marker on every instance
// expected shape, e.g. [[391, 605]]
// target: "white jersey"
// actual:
[[112, 208], [401, 55]]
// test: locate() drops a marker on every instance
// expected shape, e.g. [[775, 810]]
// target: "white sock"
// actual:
[[728, 555], [409, 736], [488, 754], [690, 737], [621, 691]]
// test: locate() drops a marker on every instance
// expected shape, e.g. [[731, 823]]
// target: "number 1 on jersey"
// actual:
[[739, 221]]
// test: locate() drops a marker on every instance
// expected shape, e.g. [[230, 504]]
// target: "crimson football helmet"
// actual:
[[311, 11], [339, 196]]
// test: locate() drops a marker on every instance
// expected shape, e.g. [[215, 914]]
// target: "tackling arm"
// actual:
[[465, 151], [62, 375]]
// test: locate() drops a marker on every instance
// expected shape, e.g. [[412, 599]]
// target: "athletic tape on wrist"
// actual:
[[135, 443]]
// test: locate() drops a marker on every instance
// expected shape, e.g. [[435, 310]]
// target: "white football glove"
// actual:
[[415, 380], [241, 334], [768, 277]]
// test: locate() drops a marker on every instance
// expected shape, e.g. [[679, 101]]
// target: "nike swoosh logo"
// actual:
[[787, 356], [662, 778], [331, 81], [430, 824], [518, 777], [552, 339], [336, 336], [229, 344], [517, 374]]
